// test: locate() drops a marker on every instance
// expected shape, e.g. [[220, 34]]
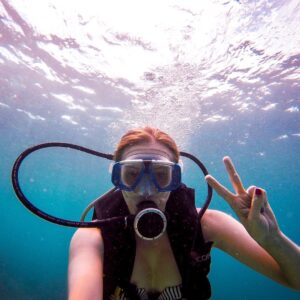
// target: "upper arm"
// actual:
[[230, 236], [85, 264], [86, 240]]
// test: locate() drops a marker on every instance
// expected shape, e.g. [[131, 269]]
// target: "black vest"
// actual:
[[191, 252]]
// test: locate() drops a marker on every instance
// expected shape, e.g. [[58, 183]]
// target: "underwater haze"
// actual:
[[221, 77]]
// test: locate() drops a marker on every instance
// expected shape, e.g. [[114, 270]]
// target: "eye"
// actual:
[[161, 172], [129, 175], [131, 171], [163, 175]]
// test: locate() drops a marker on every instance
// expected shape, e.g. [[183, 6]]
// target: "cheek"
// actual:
[[163, 197], [131, 200], [129, 196], [161, 200]]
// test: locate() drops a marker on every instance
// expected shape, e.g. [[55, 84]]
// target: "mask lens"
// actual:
[[162, 174], [130, 173]]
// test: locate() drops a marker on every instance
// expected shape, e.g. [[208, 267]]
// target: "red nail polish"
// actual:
[[258, 191]]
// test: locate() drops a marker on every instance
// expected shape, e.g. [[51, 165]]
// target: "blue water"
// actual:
[[222, 77]]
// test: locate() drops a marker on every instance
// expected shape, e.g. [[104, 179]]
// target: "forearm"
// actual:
[[84, 281], [287, 255]]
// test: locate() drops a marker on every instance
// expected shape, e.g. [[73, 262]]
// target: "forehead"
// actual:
[[148, 149]]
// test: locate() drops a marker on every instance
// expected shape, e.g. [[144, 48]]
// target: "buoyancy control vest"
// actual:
[[191, 251]]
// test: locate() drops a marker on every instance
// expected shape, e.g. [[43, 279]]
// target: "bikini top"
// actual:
[[169, 293]]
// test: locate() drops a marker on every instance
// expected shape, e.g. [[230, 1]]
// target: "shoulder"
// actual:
[[218, 226], [87, 238]]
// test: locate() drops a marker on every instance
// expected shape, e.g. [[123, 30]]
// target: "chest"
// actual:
[[155, 267]]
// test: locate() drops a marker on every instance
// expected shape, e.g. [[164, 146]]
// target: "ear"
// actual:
[[180, 163], [110, 167]]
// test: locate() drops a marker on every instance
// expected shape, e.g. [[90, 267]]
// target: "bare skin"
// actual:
[[255, 241], [258, 243]]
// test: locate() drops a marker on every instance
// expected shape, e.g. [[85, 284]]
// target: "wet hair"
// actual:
[[147, 134]]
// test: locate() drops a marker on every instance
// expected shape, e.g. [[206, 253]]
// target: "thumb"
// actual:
[[257, 204]]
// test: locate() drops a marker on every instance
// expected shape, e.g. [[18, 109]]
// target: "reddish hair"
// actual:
[[145, 135]]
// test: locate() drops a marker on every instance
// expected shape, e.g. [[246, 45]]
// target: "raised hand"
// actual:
[[251, 205]]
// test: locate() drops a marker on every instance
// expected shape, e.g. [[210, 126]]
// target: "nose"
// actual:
[[146, 187]]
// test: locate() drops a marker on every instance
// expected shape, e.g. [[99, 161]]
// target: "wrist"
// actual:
[[273, 239]]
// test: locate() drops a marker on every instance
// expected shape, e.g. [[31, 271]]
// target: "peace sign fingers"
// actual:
[[220, 189], [234, 176]]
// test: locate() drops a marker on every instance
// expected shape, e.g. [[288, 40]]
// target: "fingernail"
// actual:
[[258, 191]]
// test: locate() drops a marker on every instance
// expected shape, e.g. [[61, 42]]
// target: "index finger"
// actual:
[[220, 189], [233, 176]]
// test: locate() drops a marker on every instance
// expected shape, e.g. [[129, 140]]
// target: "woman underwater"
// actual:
[[117, 263]]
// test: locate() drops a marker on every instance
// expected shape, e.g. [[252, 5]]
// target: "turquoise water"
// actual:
[[222, 77]]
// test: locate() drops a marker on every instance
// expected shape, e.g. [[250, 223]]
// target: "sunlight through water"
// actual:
[[174, 64]]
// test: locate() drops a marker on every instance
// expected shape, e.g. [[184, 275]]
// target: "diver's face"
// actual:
[[146, 190]]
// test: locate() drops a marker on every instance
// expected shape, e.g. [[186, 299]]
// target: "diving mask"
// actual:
[[146, 176]]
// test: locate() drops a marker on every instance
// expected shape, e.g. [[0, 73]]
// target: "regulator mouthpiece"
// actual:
[[150, 222]]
